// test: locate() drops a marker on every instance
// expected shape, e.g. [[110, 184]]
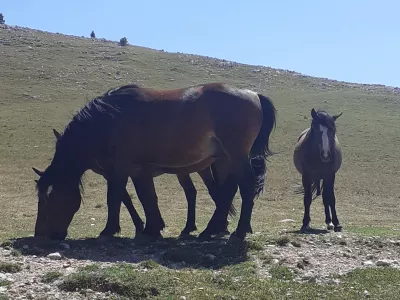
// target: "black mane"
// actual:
[[89, 124]]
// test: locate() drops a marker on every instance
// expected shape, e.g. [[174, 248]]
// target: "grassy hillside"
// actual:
[[45, 77]]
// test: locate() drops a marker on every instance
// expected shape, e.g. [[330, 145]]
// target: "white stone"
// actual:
[[55, 255]]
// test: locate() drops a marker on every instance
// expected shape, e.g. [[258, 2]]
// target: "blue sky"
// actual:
[[350, 40]]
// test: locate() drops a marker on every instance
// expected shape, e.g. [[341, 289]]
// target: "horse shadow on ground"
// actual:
[[170, 252], [310, 231]]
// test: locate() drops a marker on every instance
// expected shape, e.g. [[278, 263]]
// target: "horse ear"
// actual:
[[337, 116], [40, 173], [57, 134], [314, 114]]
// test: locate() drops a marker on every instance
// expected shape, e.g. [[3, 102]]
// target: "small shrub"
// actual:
[[255, 245], [92, 35], [7, 267], [282, 241], [280, 273], [2, 21], [123, 41], [149, 264], [51, 276]]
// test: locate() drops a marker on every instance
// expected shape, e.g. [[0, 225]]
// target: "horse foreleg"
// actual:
[[190, 193], [307, 203], [328, 219], [137, 221], [329, 193], [115, 193]]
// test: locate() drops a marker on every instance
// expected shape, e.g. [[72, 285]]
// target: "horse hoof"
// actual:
[[204, 236], [330, 226], [338, 228], [109, 233], [236, 237], [305, 229]]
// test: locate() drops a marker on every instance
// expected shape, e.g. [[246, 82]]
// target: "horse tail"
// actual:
[[260, 149], [316, 189]]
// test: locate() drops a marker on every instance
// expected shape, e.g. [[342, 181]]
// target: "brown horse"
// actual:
[[140, 132], [112, 227], [318, 156]]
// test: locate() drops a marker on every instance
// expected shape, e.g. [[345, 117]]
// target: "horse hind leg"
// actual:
[[248, 187], [190, 192], [222, 193]]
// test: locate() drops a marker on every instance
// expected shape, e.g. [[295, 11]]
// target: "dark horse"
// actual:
[[140, 132], [112, 227], [317, 156]]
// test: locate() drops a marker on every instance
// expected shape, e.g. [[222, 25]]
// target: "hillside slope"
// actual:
[[45, 77]]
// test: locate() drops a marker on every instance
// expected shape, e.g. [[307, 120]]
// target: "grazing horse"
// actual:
[[113, 226], [318, 156], [140, 132]]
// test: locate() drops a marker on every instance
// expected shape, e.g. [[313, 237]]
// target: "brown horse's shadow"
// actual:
[[170, 252]]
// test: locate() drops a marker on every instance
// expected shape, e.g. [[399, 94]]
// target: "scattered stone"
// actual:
[[210, 257], [182, 298], [366, 293], [346, 255], [368, 263], [55, 256], [275, 261], [92, 219], [343, 243], [3, 289], [383, 263], [65, 246], [287, 221], [296, 244]]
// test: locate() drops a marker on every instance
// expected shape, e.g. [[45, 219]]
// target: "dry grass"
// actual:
[[45, 77]]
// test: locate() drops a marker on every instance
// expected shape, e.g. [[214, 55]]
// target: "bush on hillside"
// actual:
[[123, 41]]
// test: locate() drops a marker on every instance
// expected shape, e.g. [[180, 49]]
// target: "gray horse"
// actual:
[[317, 156]]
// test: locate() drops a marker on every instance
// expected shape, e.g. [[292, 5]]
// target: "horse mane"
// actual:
[[325, 119], [92, 119]]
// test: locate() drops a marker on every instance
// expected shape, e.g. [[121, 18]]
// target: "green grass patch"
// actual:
[[51, 276], [7, 267], [122, 279], [280, 273]]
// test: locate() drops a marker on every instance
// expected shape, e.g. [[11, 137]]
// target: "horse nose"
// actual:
[[326, 155]]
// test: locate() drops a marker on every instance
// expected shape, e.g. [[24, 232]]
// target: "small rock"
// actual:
[[346, 255], [343, 243], [66, 265], [383, 263], [300, 265], [368, 263], [92, 224], [286, 221], [366, 293], [65, 246], [55, 256], [92, 219], [275, 261], [296, 244], [210, 257], [182, 298], [3, 289]]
